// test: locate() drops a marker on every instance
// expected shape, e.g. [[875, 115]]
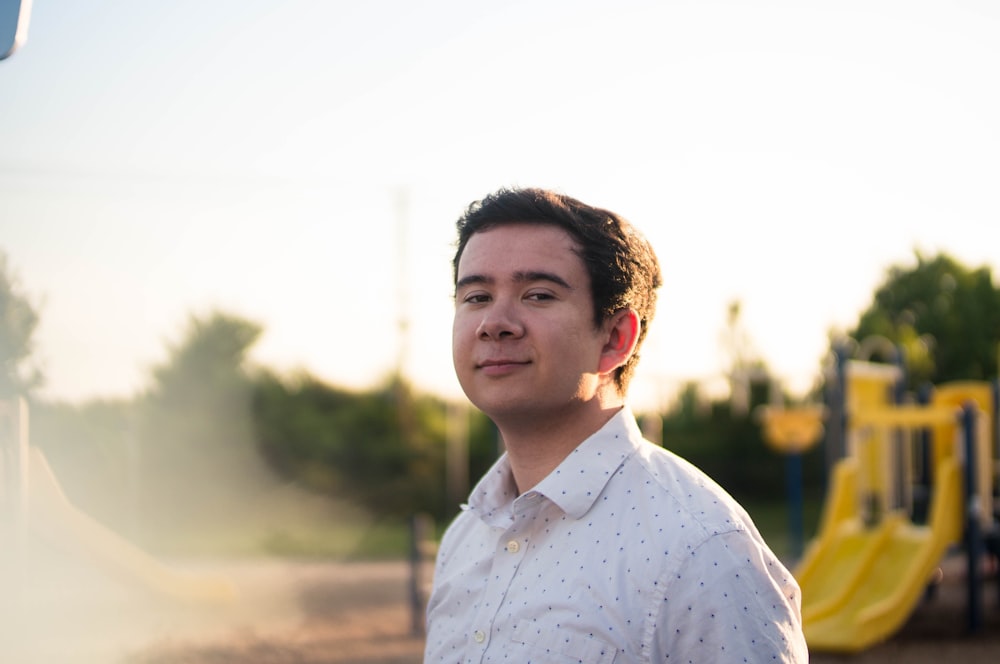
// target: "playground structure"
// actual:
[[911, 482], [792, 431], [36, 514]]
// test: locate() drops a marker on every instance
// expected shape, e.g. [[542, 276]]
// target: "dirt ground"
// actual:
[[359, 613], [346, 613]]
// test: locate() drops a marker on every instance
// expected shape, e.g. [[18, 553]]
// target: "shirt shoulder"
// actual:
[[696, 498]]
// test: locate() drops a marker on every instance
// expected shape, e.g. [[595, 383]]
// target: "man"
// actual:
[[584, 542]]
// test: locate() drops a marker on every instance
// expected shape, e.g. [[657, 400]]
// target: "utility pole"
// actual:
[[402, 205]]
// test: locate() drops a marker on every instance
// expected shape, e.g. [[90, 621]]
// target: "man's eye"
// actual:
[[476, 298], [539, 297]]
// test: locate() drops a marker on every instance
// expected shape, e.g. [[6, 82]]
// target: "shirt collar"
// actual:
[[575, 483], [494, 495]]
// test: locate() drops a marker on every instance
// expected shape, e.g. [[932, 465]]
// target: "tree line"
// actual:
[[212, 437]]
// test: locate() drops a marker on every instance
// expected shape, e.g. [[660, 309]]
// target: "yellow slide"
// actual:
[[859, 585], [869, 565]]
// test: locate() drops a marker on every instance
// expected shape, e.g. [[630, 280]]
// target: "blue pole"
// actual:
[[793, 480], [973, 534]]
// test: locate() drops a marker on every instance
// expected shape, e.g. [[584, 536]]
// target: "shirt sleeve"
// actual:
[[730, 601]]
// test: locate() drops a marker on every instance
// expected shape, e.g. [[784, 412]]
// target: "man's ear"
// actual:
[[623, 335]]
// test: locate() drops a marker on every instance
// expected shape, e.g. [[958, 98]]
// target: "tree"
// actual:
[[208, 362], [18, 321], [355, 445], [197, 454], [944, 316]]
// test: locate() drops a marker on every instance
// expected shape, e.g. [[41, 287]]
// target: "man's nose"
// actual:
[[500, 321]]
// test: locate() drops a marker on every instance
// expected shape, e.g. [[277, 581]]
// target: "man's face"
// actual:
[[524, 340]]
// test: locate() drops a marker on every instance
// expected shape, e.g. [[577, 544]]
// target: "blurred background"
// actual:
[[226, 231]]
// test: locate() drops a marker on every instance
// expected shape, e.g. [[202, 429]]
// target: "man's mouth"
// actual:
[[496, 367]]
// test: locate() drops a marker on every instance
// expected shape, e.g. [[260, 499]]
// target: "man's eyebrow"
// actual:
[[472, 279], [530, 276], [520, 277]]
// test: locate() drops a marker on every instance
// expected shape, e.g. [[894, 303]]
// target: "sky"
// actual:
[[302, 163]]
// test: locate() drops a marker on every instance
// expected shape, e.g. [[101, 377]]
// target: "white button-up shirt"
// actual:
[[624, 553]]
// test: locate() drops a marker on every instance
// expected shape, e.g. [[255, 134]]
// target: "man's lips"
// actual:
[[501, 366]]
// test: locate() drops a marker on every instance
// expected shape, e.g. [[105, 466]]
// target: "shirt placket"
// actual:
[[511, 545]]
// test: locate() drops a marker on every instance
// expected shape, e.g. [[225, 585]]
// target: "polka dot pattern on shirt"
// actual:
[[624, 553]]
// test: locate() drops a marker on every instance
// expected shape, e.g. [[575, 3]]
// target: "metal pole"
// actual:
[[973, 528], [420, 528], [793, 468]]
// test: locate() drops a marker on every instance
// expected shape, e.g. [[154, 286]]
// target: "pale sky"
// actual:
[[301, 163]]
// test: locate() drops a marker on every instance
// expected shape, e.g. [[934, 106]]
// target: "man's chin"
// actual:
[[505, 406]]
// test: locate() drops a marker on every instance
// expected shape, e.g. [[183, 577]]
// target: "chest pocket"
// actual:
[[556, 646]]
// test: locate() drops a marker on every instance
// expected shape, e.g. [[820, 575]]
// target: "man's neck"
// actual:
[[535, 446]]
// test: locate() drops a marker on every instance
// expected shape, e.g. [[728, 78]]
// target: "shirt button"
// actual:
[[513, 546], [479, 636]]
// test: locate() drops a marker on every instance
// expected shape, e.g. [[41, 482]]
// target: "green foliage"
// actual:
[[213, 452], [484, 448], [194, 430], [18, 321], [208, 364], [945, 317], [730, 448], [383, 449], [331, 440]]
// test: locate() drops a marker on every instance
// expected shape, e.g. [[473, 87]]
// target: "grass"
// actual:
[[391, 538], [773, 519], [388, 539], [354, 535], [332, 540]]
